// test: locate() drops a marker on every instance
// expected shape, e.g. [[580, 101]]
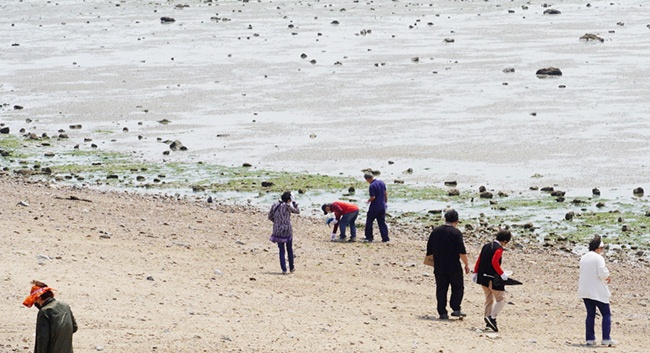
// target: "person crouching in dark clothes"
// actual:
[[488, 273]]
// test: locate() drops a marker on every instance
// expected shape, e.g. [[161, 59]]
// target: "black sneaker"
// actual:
[[352, 240], [444, 317], [492, 323], [458, 313]]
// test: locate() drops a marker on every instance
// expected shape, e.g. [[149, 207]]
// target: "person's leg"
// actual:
[[489, 300], [383, 228], [590, 305], [500, 297], [442, 286], [370, 219], [283, 265], [290, 255], [457, 291], [353, 226], [343, 223], [607, 319]]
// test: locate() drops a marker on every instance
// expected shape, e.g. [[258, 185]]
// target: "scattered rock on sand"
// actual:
[[166, 19], [548, 71], [177, 146], [552, 12], [591, 37]]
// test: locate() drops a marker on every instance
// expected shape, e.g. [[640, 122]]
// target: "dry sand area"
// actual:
[[158, 274]]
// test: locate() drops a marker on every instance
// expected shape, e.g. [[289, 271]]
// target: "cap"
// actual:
[[324, 207]]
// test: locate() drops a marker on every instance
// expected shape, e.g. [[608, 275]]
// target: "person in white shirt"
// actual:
[[593, 289]]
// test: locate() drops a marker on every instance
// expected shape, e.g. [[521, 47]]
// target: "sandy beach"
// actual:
[[158, 274]]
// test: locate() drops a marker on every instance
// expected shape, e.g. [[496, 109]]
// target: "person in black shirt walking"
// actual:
[[447, 247]]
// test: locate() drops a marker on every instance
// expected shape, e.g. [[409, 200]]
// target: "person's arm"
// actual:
[[74, 323], [42, 333], [495, 261], [603, 272], [478, 261], [293, 207], [385, 196], [463, 257]]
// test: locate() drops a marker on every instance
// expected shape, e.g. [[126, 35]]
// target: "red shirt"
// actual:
[[340, 208]]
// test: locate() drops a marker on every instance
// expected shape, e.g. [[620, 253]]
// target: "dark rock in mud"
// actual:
[[166, 19], [595, 191], [486, 195], [509, 70], [638, 191], [352, 190], [547, 189], [558, 193], [453, 192], [600, 205], [398, 181], [451, 183], [267, 184], [591, 37], [177, 146], [549, 71], [482, 189], [247, 165], [569, 215], [18, 107], [552, 12], [4, 130]]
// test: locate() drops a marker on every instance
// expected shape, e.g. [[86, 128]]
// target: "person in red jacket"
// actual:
[[488, 273], [345, 214]]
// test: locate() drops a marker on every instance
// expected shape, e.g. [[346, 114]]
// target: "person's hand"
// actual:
[[475, 278], [466, 269], [333, 237], [504, 277], [386, 206], [295, 205]]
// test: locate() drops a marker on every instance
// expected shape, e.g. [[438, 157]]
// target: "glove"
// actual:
[[504, 277], [333, 237], [475, 278]]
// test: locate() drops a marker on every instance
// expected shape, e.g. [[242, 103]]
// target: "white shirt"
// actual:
[[593, 275]]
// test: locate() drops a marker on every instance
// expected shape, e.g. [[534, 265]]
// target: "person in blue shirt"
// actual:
[[377, 211]]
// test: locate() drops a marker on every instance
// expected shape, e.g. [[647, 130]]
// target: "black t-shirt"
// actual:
[[446, 245]]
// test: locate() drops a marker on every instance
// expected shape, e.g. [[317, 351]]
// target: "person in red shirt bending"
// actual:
[[488, 273], [345, 214]]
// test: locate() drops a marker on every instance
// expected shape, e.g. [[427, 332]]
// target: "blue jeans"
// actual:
[[380, 216], [591, 306], [289, 247], [349, 219]]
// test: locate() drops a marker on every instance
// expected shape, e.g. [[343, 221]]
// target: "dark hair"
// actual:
[[504, 235], [286, 196], [368, 176], [451, 216], [595, 243]]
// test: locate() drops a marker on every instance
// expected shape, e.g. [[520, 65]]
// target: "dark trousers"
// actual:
[[289, 247], [380, 216], [591, 306], [443, 281]]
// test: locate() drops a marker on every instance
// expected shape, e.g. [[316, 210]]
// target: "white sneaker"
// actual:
[[591, 343], [610, 342]]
